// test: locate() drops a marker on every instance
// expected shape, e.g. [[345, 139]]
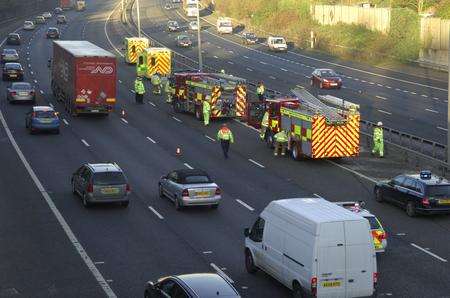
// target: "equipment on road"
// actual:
[[80, 5], [378, 141], [133, 46], [83, 77], [228, 94], [224, 25], [281, 140], [260, 91], [315, 129], [154, 60]]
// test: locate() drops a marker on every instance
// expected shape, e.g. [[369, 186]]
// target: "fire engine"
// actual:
[[227, 94], [316, 128]]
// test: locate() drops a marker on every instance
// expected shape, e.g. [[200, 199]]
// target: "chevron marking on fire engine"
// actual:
[[215, 94]]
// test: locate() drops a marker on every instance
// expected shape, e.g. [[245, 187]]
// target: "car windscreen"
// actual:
[[109, 178], [13, 36], [21, 86], [9, 51], [14, 66], [196, 179], [438, 190], [374, 224], [250, 35], [45, 114], [328, 73], [185, 38]]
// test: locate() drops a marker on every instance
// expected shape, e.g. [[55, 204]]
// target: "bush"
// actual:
[[443, 9], [404, 34]]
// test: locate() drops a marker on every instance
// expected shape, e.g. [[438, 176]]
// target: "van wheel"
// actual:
[[410, 209], [378, 195], [249, 263], [297, 291]]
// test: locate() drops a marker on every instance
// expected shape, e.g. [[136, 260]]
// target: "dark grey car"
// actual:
[[21, 91], [101, 183], [198, 285], [10, 55]]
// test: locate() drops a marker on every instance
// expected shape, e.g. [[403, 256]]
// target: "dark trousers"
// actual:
[[225, 144], [139, 98], [261, 97]]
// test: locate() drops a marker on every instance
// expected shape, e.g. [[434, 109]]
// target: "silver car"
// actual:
[[10, 55], [101, 183], [173, 26], [47, 15], [29, 25], [21, 91], [189, 187]]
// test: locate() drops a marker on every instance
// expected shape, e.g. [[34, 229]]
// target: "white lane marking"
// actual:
[[132, 91], [283, 69], [109, 280], [364, 81], [413, 93], [371, 83], [29, 65], [231, 52], [120, 81], [221, 273], [230, 62], [379, 85], [256, 163], [35, 81], [62, 222], [99, 263], [353, 171], [244, 287], [245, 205], [28, 58], [262, 62], [432, 111], [65, 122], [176, 119], [249, 69], [272, 77], [406, 91], [51, 105], [188, 166], [152, 104], [356, 79], [155, 212], [436, 98], [424, 95], [124, 120], [389, 87], [216, 57], [442, 128], [384, 112], [208, 252], [401, 234], [245, 57], [381, 97], [219, 47], [428, 252], [85, 143], [151, 140], [397, 89], [209, 138], [40, 91], [106, 31], [32, 73]]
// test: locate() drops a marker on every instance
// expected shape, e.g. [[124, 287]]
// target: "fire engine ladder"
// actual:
[[316, 106]]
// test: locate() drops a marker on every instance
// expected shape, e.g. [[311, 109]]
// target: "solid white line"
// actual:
[[188, 166], [441, 128], [353, 171], [432, 111], [424, 95], [245, 57], [62, 222], [155, 212], [65, 122], [381, 97], [209, 138], [152, 104], [124, 120], [216, 57], [283, 69], [85, 143], [221, 273], [176, 119], [272, 77], [230, 62], [151, 140], [430, 253], [262, 62], [249, 69], [384, 112], [106, 31], [245, 205], [256, 163]]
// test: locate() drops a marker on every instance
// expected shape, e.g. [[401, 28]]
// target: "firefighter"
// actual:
[[206, 110], [264, 124], [222, 71], [156, 83], [139, 90], [168, 89], [225, 136], [260, 90], [378, 143], [281, 140]]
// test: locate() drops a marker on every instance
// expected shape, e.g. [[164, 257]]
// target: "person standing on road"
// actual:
[[156, 83], [225, 136], [260, 90], [206, 110], [168, 89], [281, 140], [378, 142], [139, 90], [264, 125]]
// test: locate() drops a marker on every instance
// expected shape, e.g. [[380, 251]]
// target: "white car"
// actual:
[[277, 44], [47, 15], [29, 25], [193, 25]]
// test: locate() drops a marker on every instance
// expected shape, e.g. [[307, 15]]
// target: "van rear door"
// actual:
[[331, 260]]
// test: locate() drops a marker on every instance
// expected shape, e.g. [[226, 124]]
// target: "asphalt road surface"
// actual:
[[124, 248]]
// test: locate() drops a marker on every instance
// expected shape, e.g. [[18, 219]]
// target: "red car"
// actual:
[[326, 78]]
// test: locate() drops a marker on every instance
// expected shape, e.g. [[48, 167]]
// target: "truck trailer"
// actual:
[[83, 77]]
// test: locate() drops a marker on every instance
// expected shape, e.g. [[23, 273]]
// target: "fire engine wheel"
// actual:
[[295, 153]]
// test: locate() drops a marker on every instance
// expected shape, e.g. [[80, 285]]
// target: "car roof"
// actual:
[[191, 172], [324, 69], [434, 180], [13, 64], [208, 285], [9, 50], [42, 109], [52, 28], [104, 167]]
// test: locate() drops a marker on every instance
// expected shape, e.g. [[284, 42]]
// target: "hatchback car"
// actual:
[[249, 38], [13, 39], [326, 78], [47, 15], [42, 118], [20, 91], [184, 41], [189, 187], [197, 285], [193, 25], [58, 10], [422, 193], [29, 25], [52, 32], [12, 71], [61, 19], [101, 183], [379, 235], [173, 26], [9, 55]]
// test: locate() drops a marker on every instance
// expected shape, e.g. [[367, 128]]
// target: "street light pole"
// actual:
[[139, 18], [199, 40]]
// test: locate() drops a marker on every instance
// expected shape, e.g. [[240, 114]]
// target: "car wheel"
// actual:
[[410, 209], [249, 263], [160, 190], [379, 195], [74, 191], [125, 204], [215, 206], [56, 131], [178, 206], [86, 203], [297, 291]]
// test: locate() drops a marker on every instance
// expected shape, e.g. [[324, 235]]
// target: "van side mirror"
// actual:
[[246, 232], [150, 285]]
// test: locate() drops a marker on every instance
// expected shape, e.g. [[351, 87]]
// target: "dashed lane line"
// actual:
[[245, 205], [283, 69], [209, 138], [124, 120], [65, 122], [249, 69], [264, 63], [256, 163], [432, 111], [424, 95], [85, 143], [152, 104], [230, 62], [245, 57], [188, 166], [216, 57], [151, 140], [442, 128], [381, 97], [155, 212], [272, 77], [384, 112], [176, 119], [429, 252]]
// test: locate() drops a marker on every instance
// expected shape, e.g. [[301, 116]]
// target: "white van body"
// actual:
[[277, 43], [224, 25], [191, 8], [310, 238]]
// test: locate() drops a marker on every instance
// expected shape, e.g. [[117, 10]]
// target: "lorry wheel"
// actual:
[[249, 263]]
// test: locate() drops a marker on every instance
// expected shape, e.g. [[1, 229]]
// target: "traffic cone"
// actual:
[[178, 151]]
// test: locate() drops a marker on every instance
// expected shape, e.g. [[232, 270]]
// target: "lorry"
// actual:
[[317, 128], [133, 46], [80, 5], [154, 60], [191, 8], [224, 25], [66, 4], [227, 94], [83, 77], [313, 247]]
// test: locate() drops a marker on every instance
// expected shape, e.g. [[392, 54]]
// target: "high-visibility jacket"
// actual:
[[225, 134], [260, 89], [206, 107], [167, 87], [265, 120], [281, 137], [139, 87], [378, 134], [156, 80]]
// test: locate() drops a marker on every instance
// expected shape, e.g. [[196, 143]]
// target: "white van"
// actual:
[[277, 44], [224, 25], [313, 247]]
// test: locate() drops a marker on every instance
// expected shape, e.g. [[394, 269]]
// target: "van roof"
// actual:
[[83, 48]]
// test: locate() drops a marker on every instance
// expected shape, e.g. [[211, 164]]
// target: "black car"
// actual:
[[249, 38], [418, 193], [52, 32], [12, 71], [13, 39]]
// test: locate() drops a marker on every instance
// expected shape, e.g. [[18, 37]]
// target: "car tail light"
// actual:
[[314, 286], [13, 93], [128, 189], [425, 202], [185, 193], [218, 191], [90, 188], [375, 278]]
